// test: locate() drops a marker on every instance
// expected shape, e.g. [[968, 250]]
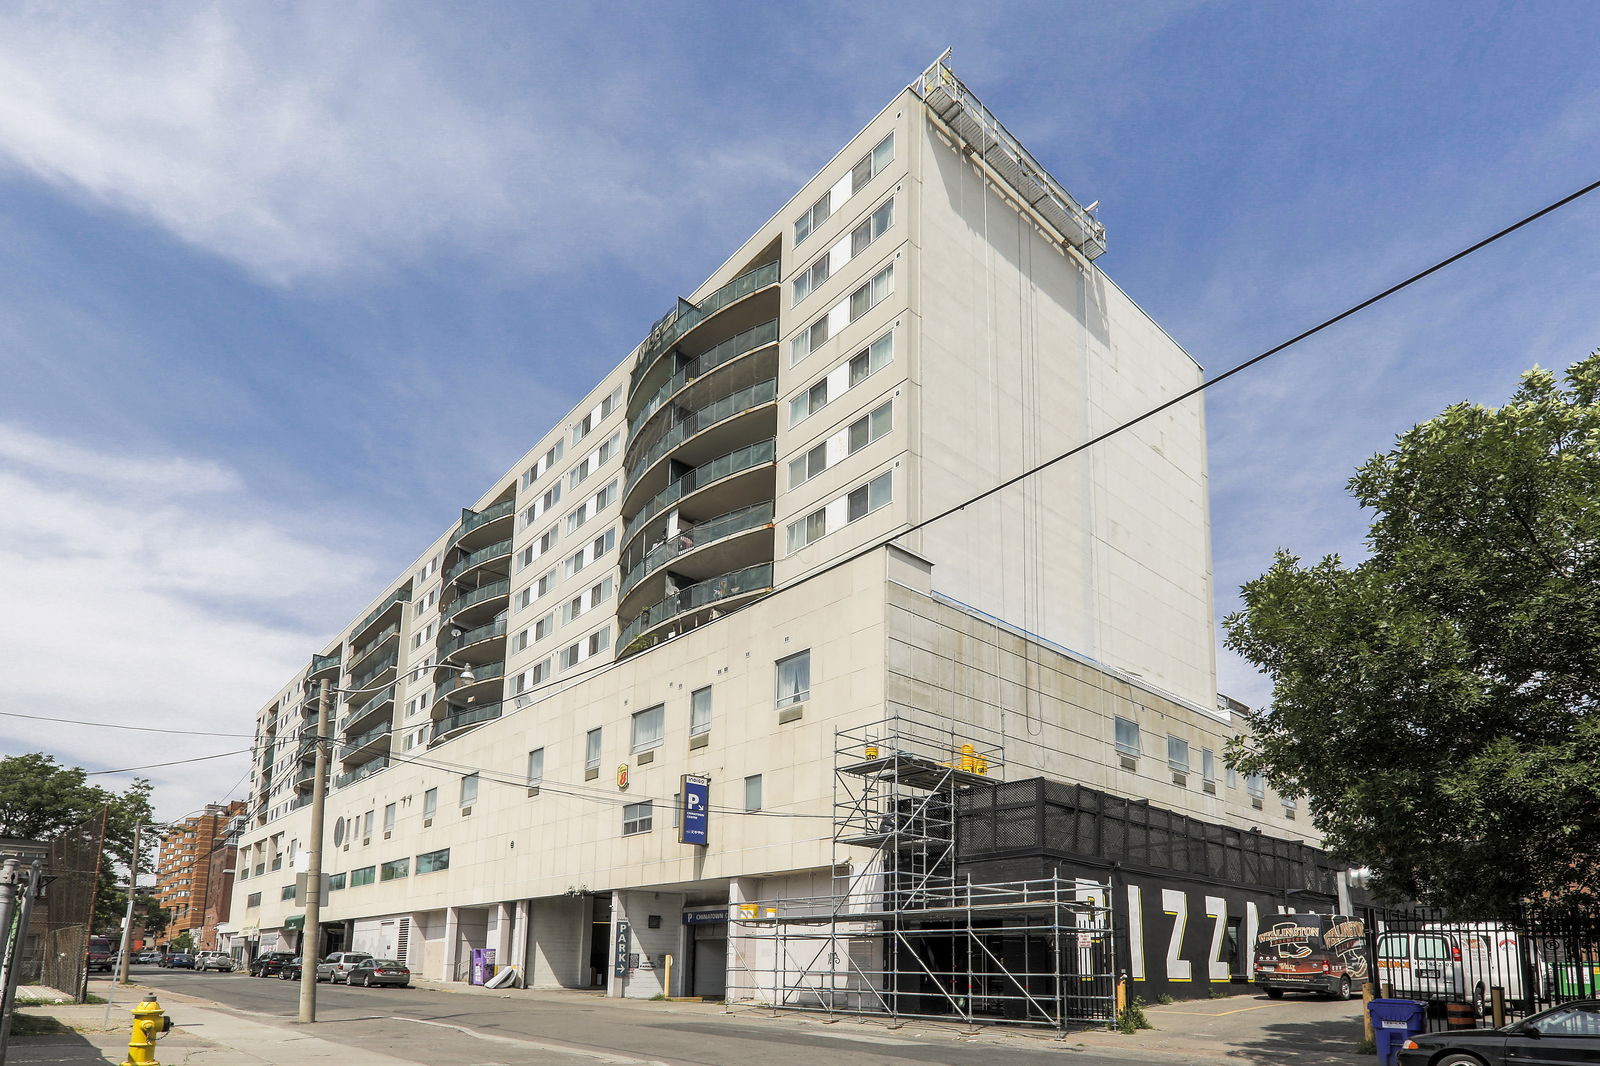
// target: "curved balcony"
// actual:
[[498, 550], [718, 427], [360, 658], [480, 527], [397, 597], [374, 671], [363, 713], [751, 340], [677, 324], [324, 664], [693, 606], [486, 678], [365, 744], [366, 769], [471, 637], [699, 540], [490, 594], [461, 718], [761, 454]]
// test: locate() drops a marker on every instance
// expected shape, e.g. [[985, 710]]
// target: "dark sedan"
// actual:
[[290, 971], [269, 964], [369, 972], [1568, 1033], [180, 960]]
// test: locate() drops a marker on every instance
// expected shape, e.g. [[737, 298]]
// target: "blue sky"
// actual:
[[284, 286]]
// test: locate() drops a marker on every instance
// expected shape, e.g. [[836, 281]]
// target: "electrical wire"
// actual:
[[119, 725], [174, 762]]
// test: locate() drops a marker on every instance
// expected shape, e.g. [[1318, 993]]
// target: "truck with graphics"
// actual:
[[1305, 952]]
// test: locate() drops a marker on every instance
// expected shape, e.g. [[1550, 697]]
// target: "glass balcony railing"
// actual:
[[466, 562], [751, 455], [692, 597], [470, 716], [674, 324], [497, 628], [471, 520], [320, 663], [762, 392], [399, 596], [363, 679], [373, 645], [366, 709], [698, 536], [366, 769], [486, 672], [294, 805], [478, 595], [704, 363], [358, 742]]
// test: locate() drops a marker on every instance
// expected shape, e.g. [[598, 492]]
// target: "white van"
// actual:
[[1460, 964]]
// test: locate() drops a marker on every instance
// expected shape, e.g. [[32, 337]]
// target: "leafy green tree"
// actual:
[[39, 798], [184, 942], [1436, 702]]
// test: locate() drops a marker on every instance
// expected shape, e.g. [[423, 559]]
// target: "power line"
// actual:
[[119, 725], [174, 762]]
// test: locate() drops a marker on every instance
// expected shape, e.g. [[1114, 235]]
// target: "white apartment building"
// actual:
[[716, 566]]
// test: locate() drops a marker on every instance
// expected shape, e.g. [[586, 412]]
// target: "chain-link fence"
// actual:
[[63, 918]]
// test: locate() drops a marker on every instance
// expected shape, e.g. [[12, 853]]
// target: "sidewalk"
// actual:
[[96, 1034]]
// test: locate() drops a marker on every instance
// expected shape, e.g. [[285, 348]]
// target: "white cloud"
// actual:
[[134, 596], [294, 141]]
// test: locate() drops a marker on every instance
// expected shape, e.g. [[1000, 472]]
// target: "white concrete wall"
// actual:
[[558, 942]]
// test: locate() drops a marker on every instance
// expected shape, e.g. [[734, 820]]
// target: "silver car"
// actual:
[[336, 967], [214, 960]]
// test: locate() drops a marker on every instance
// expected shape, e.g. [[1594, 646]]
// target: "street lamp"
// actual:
[[311, 935], [133, 891]]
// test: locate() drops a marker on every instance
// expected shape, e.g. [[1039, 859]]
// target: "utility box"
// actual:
[[1394, 1021]]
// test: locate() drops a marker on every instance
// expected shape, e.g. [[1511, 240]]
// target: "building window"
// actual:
[[752, 792], [867, 498], [469, 790], [288, 892], [1256, 785], [648, 725], [433, 862], [335, 882], [1178, 759], [1290, 805], [535, 769], [636, 818], [253, 900], [366, 832], [388, 819], [794, 678], [872, 293], [1127, 738], [394, 871], [591, 750], [700, 712], [1208, 770], [430, 803], [814, 216]]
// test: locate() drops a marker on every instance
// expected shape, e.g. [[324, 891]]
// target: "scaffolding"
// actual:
[[904, 932]]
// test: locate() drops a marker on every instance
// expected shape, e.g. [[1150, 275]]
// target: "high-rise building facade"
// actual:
[[187, 869], [743, 558]]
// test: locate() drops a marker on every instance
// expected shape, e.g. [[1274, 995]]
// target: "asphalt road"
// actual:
[[451, 1029]]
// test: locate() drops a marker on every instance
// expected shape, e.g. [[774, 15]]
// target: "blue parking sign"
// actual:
[[695, 797]]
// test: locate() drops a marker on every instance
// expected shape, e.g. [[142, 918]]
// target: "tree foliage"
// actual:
[[1436, 702], [39, 798]]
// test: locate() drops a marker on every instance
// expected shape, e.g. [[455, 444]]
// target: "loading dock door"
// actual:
[[710, 976]]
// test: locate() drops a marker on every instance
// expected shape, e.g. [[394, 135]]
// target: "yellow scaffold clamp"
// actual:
[[150, 1023]]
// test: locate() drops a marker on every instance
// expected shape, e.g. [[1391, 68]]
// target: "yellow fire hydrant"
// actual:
[[150, 1023]]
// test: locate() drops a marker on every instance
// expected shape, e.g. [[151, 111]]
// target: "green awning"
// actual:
[[296, 921]]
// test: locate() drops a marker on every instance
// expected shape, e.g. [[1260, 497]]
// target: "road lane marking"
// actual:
[[1206, 1013], [588, 1053]]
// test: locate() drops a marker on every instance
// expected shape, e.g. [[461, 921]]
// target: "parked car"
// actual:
[[290, 971], [337, 967], [148, 957], [1568, 1033], [269, 964], [180, 960], [372, 971], [214, 960]]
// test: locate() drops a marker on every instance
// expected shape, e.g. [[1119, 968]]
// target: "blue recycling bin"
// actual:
[[1394, 1021]]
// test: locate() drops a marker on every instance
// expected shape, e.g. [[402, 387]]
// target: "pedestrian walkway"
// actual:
[[95, 1034]]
